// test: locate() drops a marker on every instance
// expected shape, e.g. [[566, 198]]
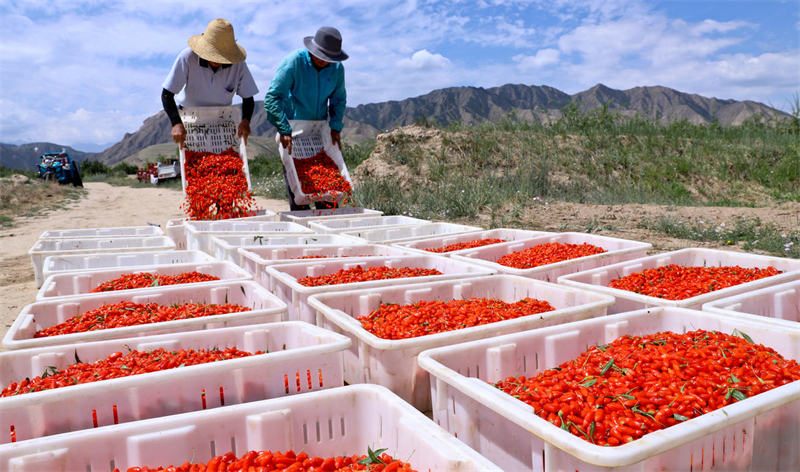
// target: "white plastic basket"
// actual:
[[295, 350], [617, 250], [757, 434], [81, 283], [284, 277], [199, 233], [341, 225], [255, 260], [265, 308], [393, 363], [176, 231], [597, 279], [77, 263], [327, 423], [226, 248], [83, 233], [67, 247], [410, 233], [212, 129], [308, 138], [779, 304], [419, 246], [304, 216]]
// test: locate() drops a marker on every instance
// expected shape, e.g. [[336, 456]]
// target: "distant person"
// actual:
[[207, 74], [309, 85]]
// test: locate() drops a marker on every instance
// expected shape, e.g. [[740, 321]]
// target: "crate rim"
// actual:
[[685, 303], [349, 324], [620, 456], [337, 342]]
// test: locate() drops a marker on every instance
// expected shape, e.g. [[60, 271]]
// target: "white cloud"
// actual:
[[542, 58], [424, 60], [91, 71]]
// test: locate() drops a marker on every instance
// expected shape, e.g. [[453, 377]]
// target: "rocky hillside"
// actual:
[[476, 104]]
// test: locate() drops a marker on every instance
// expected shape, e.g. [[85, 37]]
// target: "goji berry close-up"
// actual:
[[146, 279], [548, 253], [121, 365], [118, 315], [216, 186], [359, 274], [264, 461], [319, 175], [616, 393], [466, 245], [392, 321], [676, 282]]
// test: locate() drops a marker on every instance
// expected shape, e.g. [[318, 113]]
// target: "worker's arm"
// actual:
[[168, 102], [279, 91], [338, 102], [248, 105]]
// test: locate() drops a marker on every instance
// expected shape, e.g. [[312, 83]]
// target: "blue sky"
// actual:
[[85, 73]]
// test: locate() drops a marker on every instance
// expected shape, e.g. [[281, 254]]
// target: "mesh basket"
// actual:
[[212, 129]]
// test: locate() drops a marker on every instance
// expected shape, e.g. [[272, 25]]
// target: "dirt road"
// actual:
[[104, 206]]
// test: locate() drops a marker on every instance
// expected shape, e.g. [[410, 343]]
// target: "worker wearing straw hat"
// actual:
[[207, 74], [309, 85]]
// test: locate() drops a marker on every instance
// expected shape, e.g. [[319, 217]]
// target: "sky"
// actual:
[[85, 73]]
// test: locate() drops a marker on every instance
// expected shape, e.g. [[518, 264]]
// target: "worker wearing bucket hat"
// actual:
[[309, 85], [207, 74]]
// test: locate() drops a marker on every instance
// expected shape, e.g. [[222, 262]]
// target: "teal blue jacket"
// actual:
[[300, 92]]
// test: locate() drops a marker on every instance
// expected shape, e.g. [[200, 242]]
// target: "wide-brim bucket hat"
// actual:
[[218, 44], [326, 45]]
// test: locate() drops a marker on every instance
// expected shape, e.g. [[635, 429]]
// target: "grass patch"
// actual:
[[596, 157], [749, 232], [34, 198]]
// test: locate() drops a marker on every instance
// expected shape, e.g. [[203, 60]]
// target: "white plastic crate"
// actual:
[[616, 250], [419, 246], [304, 216], [265, 308], [757, 434], [226, 248], [284, 277], [76, 263], [308, 138], [67, 247], [597, 279], [327, 423], [294, 350], [410, 233], [102, 232], [81, 283], [176, 231], [199, 233], [212, 129], [341, 225], [255, 260], [779, 304], [393, 363]]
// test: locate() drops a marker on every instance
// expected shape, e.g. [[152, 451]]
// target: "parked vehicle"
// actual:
[[157, 171], [60, 166]]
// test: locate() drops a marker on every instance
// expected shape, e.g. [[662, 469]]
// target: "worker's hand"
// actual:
[[244, 130], [179, 134], [286, 142], [336, 138]]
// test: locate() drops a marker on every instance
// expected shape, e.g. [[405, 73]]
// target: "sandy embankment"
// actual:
[[104, 206]]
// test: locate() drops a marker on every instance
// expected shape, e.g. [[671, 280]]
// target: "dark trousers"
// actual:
[[295, 207]]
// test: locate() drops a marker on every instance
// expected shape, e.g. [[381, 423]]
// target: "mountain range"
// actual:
[[443, 106]]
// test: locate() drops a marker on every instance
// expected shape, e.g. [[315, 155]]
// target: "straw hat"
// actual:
[[218, 44]]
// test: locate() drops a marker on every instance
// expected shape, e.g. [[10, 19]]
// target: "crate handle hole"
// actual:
[[221, 396], [203, 398]]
